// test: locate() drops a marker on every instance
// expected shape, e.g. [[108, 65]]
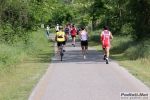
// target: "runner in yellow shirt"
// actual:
[[61, 39]]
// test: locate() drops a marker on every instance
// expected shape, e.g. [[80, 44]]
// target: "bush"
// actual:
[[138, 51], [126, 29], [129, 48]]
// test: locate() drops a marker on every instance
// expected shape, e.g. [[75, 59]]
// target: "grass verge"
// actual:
[[17, 81]]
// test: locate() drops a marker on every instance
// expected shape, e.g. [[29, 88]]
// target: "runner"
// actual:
[[105, 37], [83, 36], [78, 30], [73, 35], [60, 38], [70, 28], [67, 31], [57, 27]]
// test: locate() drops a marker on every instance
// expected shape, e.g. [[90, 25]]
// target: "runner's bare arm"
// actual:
[[80, 36], [56, 38], [87, 35], [111, 36], [101, 34], [65, 37]]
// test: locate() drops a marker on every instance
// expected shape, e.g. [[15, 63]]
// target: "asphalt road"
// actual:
[[91, 79]]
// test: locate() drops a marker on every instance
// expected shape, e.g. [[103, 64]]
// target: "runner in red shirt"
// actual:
[[105, 37], [73, 35]]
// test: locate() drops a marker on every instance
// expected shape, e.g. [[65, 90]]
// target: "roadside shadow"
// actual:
[[75, 56]]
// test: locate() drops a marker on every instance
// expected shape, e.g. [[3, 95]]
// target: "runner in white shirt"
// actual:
[[83, 36], [57, 28]]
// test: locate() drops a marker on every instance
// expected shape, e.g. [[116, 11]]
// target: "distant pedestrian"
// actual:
[[47, 31], [83, 36], [105, 37]]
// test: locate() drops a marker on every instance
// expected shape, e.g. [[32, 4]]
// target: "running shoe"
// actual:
[[86, 51], [84, 57], [107, 61], [104, 58], [73, 44], [58, 57]]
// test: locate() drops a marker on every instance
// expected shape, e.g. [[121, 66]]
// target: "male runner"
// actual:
[[105, 37]]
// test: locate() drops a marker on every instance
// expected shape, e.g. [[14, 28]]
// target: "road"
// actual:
[[91, 79]]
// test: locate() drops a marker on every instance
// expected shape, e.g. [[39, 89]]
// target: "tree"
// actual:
[[140, 12]]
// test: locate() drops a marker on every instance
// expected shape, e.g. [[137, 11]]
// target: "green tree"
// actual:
[[140, 12]]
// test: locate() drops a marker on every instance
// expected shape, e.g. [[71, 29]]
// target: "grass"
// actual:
[[130, 54], [139, 68], [17, 81]]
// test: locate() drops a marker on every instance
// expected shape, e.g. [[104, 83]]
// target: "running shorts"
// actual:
[[73, 36], [84, 43], [66, 32], [104, 45], [63, 42]]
